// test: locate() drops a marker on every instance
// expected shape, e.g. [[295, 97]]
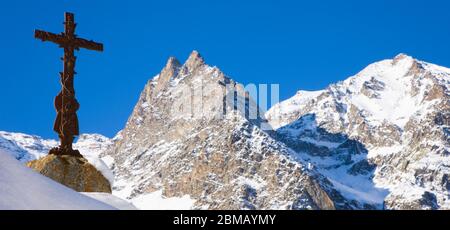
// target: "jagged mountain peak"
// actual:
[[180, 83], [174, 72], [167, 74], [172, 64], [194, 61], [202, 136]]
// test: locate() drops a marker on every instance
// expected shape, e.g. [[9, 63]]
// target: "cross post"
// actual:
[[66, 123]]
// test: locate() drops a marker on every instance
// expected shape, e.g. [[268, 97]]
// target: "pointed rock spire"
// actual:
[[170, 70], [194, 61], [172, 66]]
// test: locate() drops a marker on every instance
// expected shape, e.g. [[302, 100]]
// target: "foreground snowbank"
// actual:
[[22, 188]]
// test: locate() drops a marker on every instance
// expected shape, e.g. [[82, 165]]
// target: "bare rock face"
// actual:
[[422, 201], [73, 172], [185, 138]]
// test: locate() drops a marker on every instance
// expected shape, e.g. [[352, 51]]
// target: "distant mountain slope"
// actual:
[[26, 147], [382, 136]]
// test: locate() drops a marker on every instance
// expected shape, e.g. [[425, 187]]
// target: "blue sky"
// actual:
[[297, 44]]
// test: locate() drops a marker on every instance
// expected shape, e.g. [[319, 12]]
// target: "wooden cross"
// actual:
[[66, 123]]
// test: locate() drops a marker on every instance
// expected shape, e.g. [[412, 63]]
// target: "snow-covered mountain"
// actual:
[[192, 135], [197, 140], [382, 136], [25, 147]]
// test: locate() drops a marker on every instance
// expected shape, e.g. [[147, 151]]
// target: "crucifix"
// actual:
[[66, 123]]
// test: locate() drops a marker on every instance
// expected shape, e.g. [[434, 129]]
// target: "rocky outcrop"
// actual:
[[423, 201], [73, 172]]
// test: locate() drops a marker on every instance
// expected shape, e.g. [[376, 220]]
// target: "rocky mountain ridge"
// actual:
[[378, 140], [191, 133]]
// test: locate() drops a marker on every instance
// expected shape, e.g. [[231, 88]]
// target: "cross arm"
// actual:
[[90, 45], [47, 36]]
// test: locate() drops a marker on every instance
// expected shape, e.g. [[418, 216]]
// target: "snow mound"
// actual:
[[22, 188]]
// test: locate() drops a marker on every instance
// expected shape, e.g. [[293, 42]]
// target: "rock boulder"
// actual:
[[74, 172]]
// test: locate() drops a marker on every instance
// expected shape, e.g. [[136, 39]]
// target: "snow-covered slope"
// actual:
[[381, 136], [111, 200], [22, 188]]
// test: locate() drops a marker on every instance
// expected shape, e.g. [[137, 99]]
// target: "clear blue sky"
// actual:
[[298, 44]]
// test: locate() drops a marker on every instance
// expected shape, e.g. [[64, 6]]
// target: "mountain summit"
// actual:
[[382, 136], [189, 139], [194, 61]]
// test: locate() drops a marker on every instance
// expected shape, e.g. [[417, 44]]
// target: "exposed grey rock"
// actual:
[[426, 201], [223, 159]]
